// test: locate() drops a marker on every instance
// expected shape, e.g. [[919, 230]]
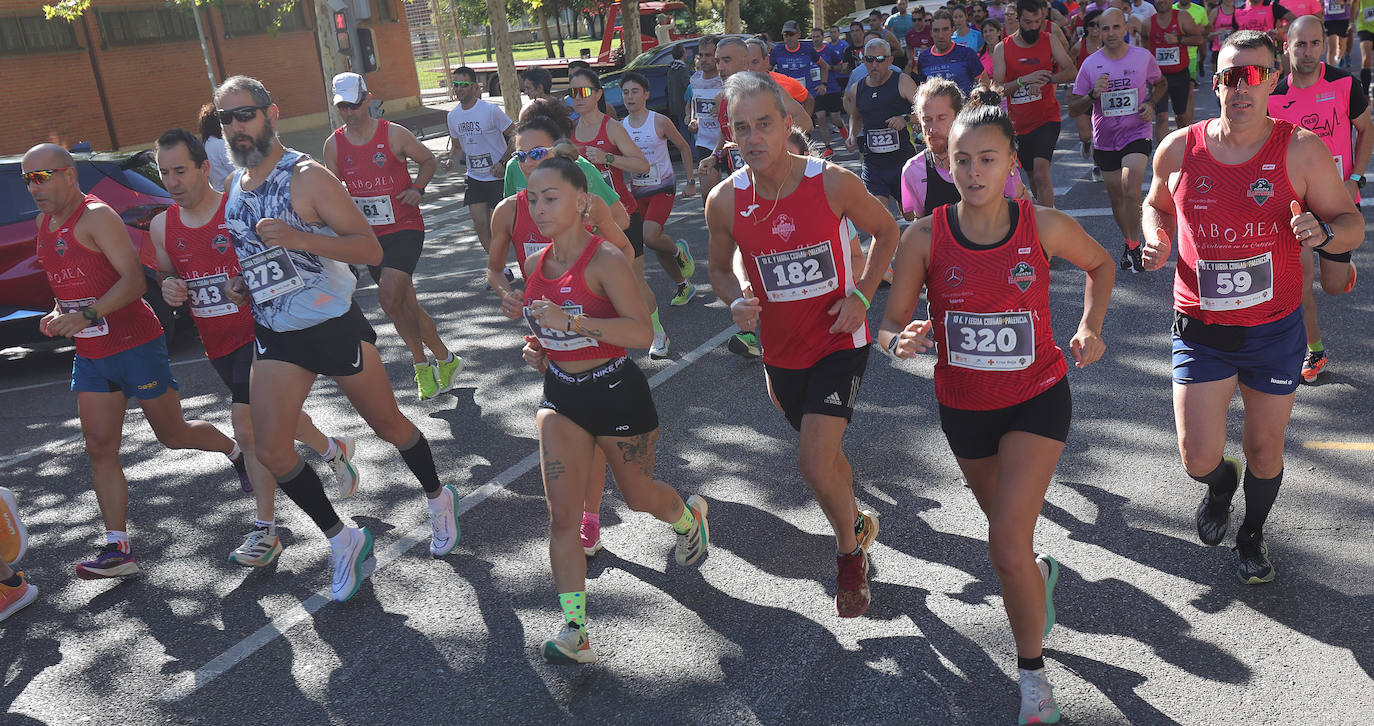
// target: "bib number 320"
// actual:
[[990, 341]]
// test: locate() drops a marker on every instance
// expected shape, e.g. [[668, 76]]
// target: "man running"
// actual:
[[788, 217], [882, 113], [1328, 102], [705, 85], [1247, 195], [830, 99], [1169, 34], [917, 39], [93, 269], [481, 134], [947, 59], [296, 231], [1024, 64], [197, 260], [371, 157], [796, 61], [1364, 31], [1120, 84]]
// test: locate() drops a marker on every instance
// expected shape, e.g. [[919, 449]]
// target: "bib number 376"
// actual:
[[270, 274]]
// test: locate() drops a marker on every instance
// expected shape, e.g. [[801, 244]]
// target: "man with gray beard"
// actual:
[[296, 230]]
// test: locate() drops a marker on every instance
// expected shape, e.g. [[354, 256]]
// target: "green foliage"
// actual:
[[767, 16]]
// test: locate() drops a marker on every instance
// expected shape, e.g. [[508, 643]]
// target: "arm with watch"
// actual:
[[101, 230], [1324, 218], [411, 149]]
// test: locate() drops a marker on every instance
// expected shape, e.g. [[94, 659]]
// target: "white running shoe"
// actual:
[[348, 552], [347, 477], [660, 347], [1037, 698], [444, 521], [259, 549]]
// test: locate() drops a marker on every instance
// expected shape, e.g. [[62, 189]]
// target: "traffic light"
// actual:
[[342, 36]]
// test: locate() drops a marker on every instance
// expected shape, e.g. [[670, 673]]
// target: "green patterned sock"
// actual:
[[574, 607], [686, 522], [1316, 347], [658, 327]]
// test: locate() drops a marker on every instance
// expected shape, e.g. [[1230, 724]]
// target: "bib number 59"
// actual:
[[1233, 282]]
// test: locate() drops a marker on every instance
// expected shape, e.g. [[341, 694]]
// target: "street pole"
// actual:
[[204, 50], [331, 60]]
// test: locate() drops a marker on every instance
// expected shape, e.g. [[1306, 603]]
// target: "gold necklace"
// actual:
[[754, 191]]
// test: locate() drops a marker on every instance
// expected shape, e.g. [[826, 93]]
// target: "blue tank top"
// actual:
[[326, 285], [882, 146]]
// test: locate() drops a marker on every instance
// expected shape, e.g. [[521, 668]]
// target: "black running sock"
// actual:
[[12, 581], [1366, 74], [1259, 499], [303, 486], [859, 525], [240, 465], [1221, 482], [421, 462], [1031, 664]]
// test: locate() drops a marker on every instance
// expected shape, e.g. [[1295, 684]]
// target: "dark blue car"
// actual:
[[653, 65]]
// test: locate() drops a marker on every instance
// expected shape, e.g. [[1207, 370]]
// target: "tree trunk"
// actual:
[[818, 14], [447, 83], [629, 23], [732, 24], [544, 24], [458, 32], [331, 60], [505, 60]]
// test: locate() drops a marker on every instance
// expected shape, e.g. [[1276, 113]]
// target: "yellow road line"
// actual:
[[1340, 445]]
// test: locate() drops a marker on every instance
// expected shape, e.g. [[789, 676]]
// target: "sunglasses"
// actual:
[[874, 58], [349, 106], [534, 154], [463, 84], [41, 176], [242, 114], [1231, 77], [581, 91]]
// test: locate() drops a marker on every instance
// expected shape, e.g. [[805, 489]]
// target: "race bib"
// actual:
[[534, 248], [270, 274], [1334, 7], [1119, 103], [815, 74], [479, 162], [558, 339], [206, 296], [990, 341], [798, 274], [1340, 166], [647, 179], [882, 141], [1024, 94], [376, 209], [705, 109], [1235, 284], [1368, 14], [95, 329], [1167, 56]]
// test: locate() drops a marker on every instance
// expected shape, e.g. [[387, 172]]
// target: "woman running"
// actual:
[[1222, 20], [583, 305], [999, 376]]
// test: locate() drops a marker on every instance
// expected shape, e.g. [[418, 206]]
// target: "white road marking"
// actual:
[[188, 683]]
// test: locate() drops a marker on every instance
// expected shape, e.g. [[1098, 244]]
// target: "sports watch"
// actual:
[[90, 314], [1358, 179]]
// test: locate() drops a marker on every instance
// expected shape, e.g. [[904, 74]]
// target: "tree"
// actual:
[[767, 16]]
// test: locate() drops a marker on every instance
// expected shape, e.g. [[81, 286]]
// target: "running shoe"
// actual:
[[344, 473], [591, 536], [1085, 150], [1096, 174], [827, 152], [1037, 698], [685, 292], [869, 534], [569, 646], [745, 345], [241, 468], [444, 373], [447, 531], [1132, 259], [852, 595], [348, 553], [509, 275], [1313, 365], [659, 350], [426, 384], [1354, 272], [1253, 566], [1049, 570], [259, 549], [1214, 517], [692, 545], [14, 538], [14, 599], [109, 562], [685, 262]]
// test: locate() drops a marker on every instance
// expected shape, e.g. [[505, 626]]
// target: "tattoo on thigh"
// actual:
[[554, 470], [639, 450]]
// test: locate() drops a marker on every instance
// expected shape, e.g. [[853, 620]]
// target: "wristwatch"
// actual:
[[610, 158], [1358, 179], [1326, 229], [90, 314], [1092, 93]]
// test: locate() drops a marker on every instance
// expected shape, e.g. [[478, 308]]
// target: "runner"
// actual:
[[1169, 34], [536, 84], [801, 63], [1198, 12], [927, 182], [480, 133], [595, 398], [16, 592], [1000, 379], [296, 231], [705, 85], [757, 55], [1090, 43], [1240, 185], [789, 217], [965, 34], [918, 38], [1024, 64], [877, 24], [882, 113], [1222, 21], [947, 59], [196, 268], [1364, 30], [93, 269], [656, 190], [1261, 15], [830, 100], [1328, 102], [1120, 86], [370, 156]]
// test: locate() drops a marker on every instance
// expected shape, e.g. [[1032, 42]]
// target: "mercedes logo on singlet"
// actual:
[[955, 277], [1204, 184]]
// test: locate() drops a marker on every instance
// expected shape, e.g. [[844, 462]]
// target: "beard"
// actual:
[[251, 157], [1030, 36]]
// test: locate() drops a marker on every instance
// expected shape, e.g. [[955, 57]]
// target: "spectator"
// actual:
[[212, 135]]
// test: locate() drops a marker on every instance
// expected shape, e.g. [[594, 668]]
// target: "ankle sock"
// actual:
[[1031, 664], [14, 580], [574, 606], [686, 522], [1132, 244], [236, 454], [1316, 347], [436, 504], [114, 536], [269, 524], [332, 452]]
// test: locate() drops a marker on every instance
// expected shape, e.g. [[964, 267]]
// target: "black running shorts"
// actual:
[[332, 348], [978, 434], [1038, 144], [476, 191], [400, 251], [234, 369], [1180, 91], [829, 388], [1113, 160], [609, 400]]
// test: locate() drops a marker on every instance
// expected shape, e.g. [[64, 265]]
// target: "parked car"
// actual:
[[127, 182], [653, 65]]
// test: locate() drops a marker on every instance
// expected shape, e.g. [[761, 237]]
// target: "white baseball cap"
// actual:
[[349, 88]]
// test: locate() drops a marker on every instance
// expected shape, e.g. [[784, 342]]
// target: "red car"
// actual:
[[127, 182]]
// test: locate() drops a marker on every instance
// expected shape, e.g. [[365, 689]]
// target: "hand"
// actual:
[[275, 233], [174, 291], [1170, 38], [512, 305], [819, 90], [745, 311], [850, 141], [1156, 251], [1353, 190], [45, 323], [236, 290], [896, 123], [849, 315], [446, 163], [66, 325], [410, 197], [1305, 226], [1087, 347], [704, 166], [692, 125], [1147, 111], [690, 190], [1100, 85], [914, 339], [549, 315], [534, 354]]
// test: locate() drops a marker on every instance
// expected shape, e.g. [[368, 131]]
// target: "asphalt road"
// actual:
[[1153, 628]]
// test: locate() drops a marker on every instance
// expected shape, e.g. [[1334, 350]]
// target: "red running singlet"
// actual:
[[990, 306], [1031, 109], [525, 236], [375, 178], [1238, 260], [615, 176], [79, 277], [796, 253], [570, 291], [1171, 58], [204, 257]]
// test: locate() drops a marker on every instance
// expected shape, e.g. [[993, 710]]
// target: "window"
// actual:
[[154, 25], [33, 34], [250, 18]]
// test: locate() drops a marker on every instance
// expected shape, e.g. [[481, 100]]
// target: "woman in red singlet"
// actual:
[[583, 305], [999, 376]]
